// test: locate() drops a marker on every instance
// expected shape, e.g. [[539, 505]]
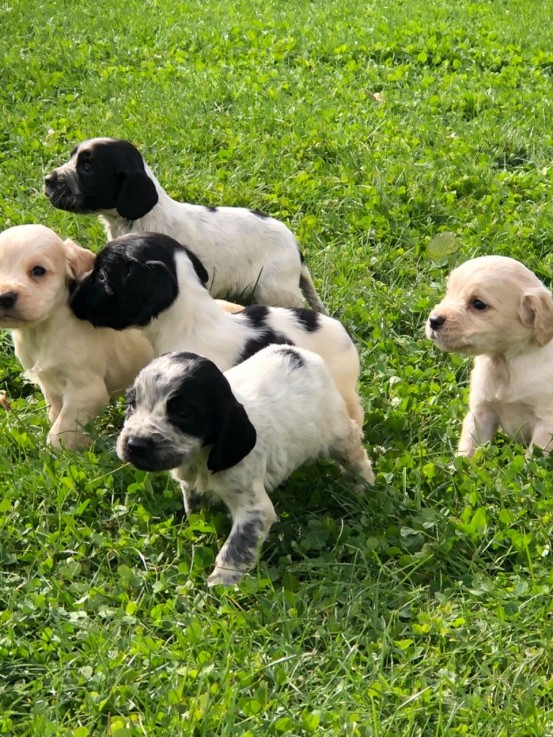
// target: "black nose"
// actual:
[[50, 180], [138, 445], [8, 299], [436, 322]]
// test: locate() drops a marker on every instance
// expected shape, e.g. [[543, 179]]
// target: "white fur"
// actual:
[[246, 256], [77, 367], [512, 378], [195, 323], [297, 415]]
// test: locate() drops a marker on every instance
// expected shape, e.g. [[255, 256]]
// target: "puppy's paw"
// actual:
[[224, 576], [363, 477], [72, 440], [367, 474]]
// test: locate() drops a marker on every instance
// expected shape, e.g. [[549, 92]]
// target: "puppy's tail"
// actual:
[[309, 292]]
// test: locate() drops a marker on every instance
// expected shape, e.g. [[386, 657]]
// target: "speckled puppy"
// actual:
[[238, 435]]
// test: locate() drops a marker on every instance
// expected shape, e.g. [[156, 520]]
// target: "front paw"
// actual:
[[69, 440], [224, 576], [367, 474]]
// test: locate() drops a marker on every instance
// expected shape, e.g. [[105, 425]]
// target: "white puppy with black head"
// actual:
[[247, 254], [150, 280], [499, 311], [238, 435], [76, 366]]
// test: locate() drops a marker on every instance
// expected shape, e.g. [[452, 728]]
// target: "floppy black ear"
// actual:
[[235, 440], [137, 196], [148, 288]]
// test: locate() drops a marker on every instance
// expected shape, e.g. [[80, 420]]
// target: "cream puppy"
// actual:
[[499, 311], [77, 367]]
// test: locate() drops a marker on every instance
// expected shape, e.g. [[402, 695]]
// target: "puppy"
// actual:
[[498, 311], [246, 253], [149, 280], [238, 435], [76, 366]]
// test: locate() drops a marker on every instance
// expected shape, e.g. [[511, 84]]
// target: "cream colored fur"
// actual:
[[77, 367], [512, 378]]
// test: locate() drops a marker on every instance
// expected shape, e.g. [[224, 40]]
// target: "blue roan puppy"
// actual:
[[238, 435]]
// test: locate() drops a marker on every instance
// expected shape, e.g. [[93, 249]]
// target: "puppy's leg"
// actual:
[[252, 517], [81, 403], [542, 436], [355, 410], [192, 501], [53, 403], [349, 452], [479, 427]]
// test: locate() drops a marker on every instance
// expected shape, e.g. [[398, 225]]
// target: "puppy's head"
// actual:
[[134, 279], [36, 269], [102, 175], [493, 304], [179, 404]]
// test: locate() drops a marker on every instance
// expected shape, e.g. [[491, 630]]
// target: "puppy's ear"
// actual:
[[137, 195], [78, 260], [536, 312], [236, 439]]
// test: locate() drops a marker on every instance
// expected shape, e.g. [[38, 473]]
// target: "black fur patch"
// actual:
[[197, 404], [257, 315], [210, 208], [134, 279], [295, 358], [308, 319], [199, 268], [267, 337], [259, 214]]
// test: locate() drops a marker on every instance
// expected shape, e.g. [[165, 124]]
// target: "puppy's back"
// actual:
[[294, 404]]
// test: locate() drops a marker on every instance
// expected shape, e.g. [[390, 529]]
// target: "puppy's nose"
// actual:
[[436, 322], [50, 180], [8, 299], [138, 445]]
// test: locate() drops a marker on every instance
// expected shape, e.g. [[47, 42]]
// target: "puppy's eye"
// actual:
[[184, 414], [38, 271], [478, 305], [180, 414], [86, 167]]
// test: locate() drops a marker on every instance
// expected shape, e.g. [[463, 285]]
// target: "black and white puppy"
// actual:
[[247, 254], [149, 280], [237, 436]]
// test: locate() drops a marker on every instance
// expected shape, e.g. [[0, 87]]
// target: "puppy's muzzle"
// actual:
[[50, 182], [7, 300], [436, 322], [146, 454], [63, 191]]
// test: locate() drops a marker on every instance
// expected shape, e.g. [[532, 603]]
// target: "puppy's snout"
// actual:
[[436, 322], [138, 445], [50, 180], [8, 299]]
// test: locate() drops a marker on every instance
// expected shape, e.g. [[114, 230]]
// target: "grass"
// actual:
[[423, 608]]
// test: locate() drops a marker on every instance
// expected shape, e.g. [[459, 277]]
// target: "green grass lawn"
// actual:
[[423, 608]]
